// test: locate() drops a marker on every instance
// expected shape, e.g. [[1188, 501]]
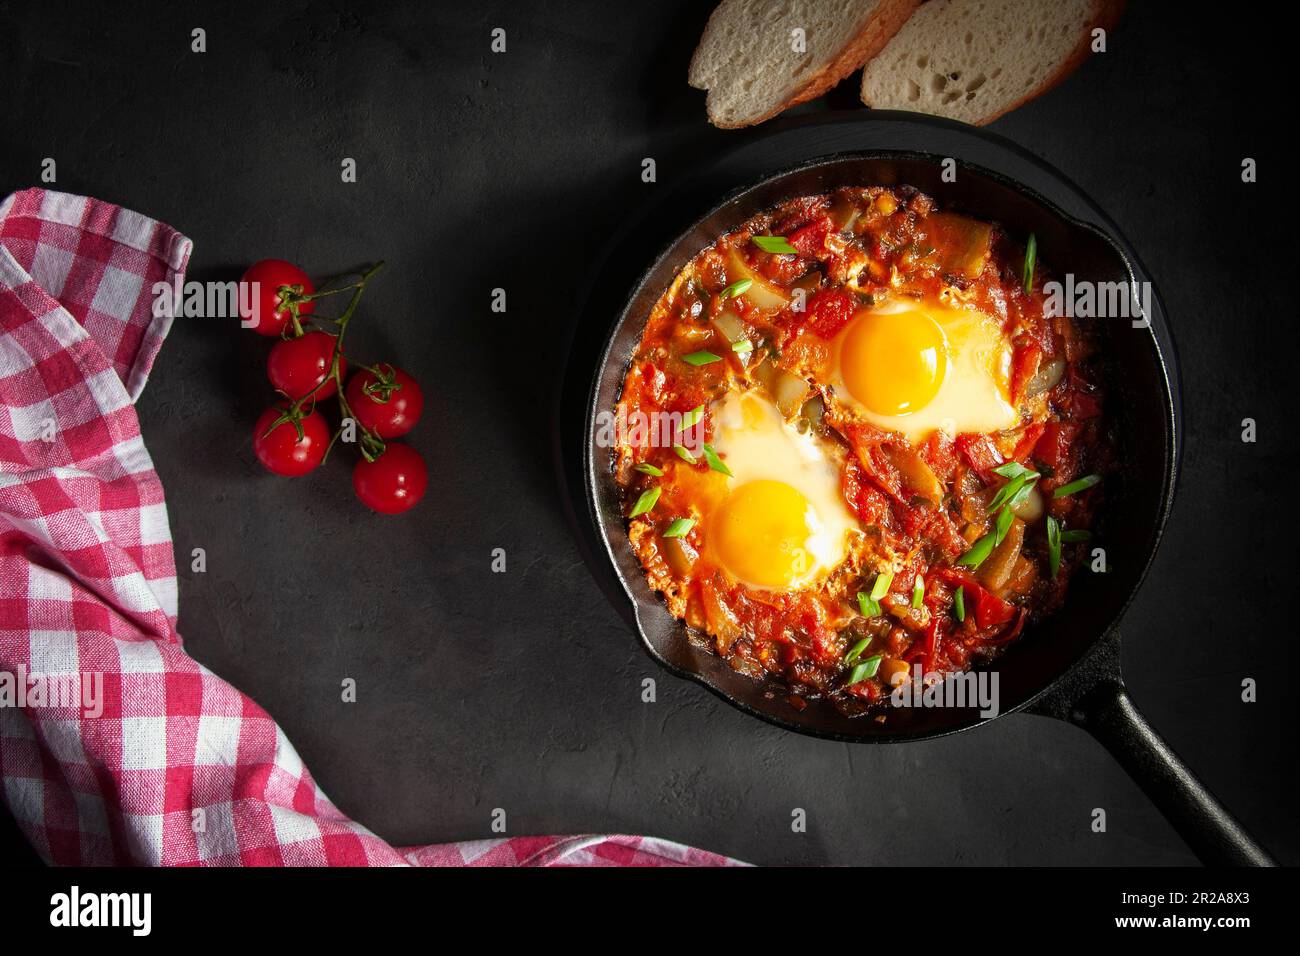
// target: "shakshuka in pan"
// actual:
[[861, 451]]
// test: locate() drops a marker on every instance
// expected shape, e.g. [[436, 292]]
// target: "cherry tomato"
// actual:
[[296, 365], [282, 451], [263, 304], [381, 408], [392, 483]]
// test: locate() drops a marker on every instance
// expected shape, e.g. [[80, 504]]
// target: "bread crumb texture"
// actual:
[[758, 57], [973, 60]]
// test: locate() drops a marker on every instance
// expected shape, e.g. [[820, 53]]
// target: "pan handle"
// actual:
[[1095, 699], [1109, 714]]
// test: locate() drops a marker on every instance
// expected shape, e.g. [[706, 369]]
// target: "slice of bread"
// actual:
[[750, 62], [974, 60]]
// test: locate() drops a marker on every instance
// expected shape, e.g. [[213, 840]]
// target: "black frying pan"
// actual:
[[1068, 666]]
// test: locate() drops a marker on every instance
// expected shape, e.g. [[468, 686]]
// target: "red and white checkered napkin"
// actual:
[[179, 767]]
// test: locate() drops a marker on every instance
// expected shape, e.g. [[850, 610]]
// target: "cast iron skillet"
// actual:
[[1068, 666]]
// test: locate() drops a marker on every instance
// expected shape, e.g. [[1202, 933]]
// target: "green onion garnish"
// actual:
[[1003, 525], [856, 651], [881, 587], [1079, 534], [959, 603], [701, 358], [1053, 545], [918, 591], [866, 669], [679, 527], [692, 418], [1021, 494], [980, 550], [1011, 490], [773, 244], [684, 454], [1031, 256], [1013, 469], [742, 347], [648, 469], [736, 288], [1079, 484], [716, 463], [646, 501], [868, 605]]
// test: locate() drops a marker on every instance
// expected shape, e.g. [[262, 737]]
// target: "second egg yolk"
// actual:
[[760, 534], [894, 362]]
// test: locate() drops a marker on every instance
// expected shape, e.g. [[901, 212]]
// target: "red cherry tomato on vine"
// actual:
[[296, 365], [392, 483], [382, 407], [281, 450], [263, 304]]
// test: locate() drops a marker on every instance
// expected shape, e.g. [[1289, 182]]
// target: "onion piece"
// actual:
[[996, 569], [1030, 509], [918, 477], [679, 554], [790, 393], [730, 325], [813, 412], [1046, 378], [719, 619], [761, 293]]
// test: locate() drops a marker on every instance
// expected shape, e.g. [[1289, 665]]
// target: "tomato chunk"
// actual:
[[829, 310], [1024, 366], [811, 239], [1053, 447], [980, 452]]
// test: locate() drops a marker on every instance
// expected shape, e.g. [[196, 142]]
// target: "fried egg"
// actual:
[[782, 522], [915, 366]]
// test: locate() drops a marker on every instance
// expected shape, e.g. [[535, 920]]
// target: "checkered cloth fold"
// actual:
[[164, 764]]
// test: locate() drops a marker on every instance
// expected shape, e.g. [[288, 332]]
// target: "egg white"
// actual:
[[756, 443], [973, 394]]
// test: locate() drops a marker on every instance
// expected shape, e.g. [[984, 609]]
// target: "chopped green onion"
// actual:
[[684, 454], [1003, 525], [868, 605], [773, 244], [856, 651], [1079, 534], [980, 550], [646, 501], [648, 469], [918, 591], [959, 603], [701, 358], [679, 527], [692, 418], [736, 288], [716, 463], [866, 669], [1008, 491], [1053, 545], [1079, 484], [881, 587], [1013, 469], [742, 347], [1031, 256], [1022, 494]]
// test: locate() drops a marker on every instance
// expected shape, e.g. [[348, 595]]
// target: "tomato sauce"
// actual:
[[963, 540]]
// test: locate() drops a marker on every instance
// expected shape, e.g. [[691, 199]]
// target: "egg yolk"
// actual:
[[760, 534], [894, 362]]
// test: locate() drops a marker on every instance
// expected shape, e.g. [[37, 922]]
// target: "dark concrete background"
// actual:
[[521, 690]]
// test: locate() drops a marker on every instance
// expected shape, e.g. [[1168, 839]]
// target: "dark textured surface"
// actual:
[[522, 690]]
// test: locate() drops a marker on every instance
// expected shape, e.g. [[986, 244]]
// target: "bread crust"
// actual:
[[1106, 14], [879, 30]]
